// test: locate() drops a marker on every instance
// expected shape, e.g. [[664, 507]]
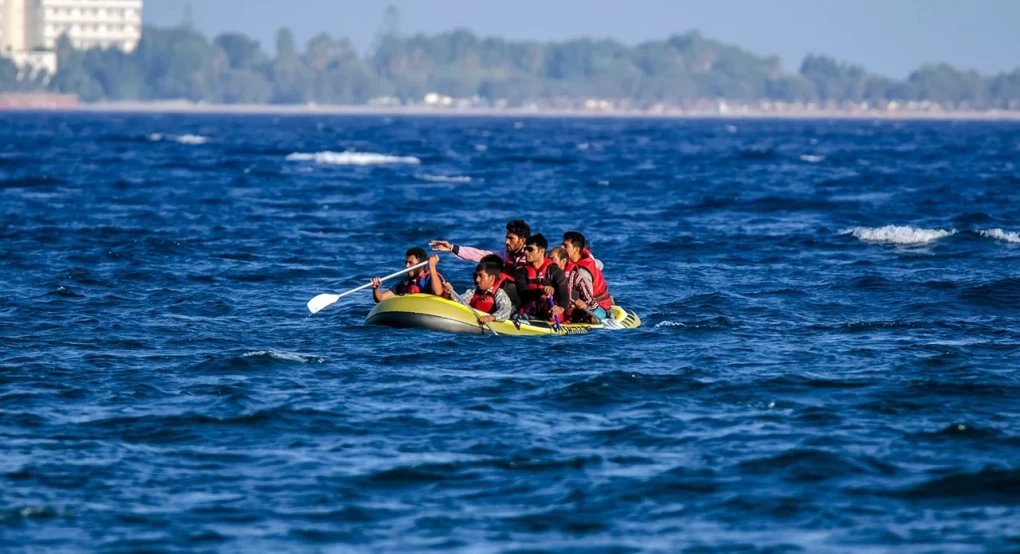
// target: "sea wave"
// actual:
[[999, 234], [809, 158], [898, 234], [350, 158], [182, 139], [283, 356], [444, 178]]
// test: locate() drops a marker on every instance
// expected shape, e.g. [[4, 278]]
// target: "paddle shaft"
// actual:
[[556, 318], [390, 276], [460, 300], [321, 301]]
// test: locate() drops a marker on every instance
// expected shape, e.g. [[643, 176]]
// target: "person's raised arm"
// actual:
[[377, 293], [435, 279]]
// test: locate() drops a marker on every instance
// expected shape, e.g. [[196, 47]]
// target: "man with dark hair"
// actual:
[[517, 231], [419, 280], [487, 296], [588, 290], [504, 281], [539, 279]]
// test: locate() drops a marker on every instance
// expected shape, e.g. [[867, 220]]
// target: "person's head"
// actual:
[[517, 231], [486, 274], [534, 248], [573, 244], [559, 255], [492, 259], [415, 256]]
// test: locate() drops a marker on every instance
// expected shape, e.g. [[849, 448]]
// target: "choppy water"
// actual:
[[828, 362]]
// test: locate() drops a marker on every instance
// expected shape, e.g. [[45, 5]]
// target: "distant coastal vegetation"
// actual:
[[460, 69]]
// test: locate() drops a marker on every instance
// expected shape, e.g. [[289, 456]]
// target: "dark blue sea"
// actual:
[[828, 360]]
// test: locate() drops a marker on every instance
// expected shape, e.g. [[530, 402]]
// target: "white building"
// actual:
[[88, 23], [29, 29]]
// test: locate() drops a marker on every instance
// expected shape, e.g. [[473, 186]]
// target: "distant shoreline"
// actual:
[[323, 109]]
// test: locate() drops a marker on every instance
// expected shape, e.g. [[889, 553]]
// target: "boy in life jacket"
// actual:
[[504, 281], [540, 279], [487, 296], [418, 280], [517, 231], [588, 288]]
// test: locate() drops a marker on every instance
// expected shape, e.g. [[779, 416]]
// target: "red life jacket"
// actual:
[[485, 301], [538, 279], [415, 286], [598, 284]]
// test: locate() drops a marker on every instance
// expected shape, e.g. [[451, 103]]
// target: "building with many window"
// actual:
[[29, 29]]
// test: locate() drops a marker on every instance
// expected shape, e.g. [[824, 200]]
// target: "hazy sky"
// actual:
[[890, 37]]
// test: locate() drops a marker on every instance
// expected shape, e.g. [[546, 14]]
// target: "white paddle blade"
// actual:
[[316, 304], [611, 324]]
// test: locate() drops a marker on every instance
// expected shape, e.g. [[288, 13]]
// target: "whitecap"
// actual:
[[811, 159], [284, 356], [583, 146], [481, 147], [191, 139], [898, 234], [669, 324], [350, 158], [181, 139], [999, 234], [444, 178]]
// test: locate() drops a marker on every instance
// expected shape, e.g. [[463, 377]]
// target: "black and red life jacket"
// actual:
[[415, 286], [538, 279], [598, 284], [511, 264]]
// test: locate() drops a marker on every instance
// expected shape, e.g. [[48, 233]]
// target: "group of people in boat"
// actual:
[[527, 280]]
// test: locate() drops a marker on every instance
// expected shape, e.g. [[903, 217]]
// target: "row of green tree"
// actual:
[[180, 63]]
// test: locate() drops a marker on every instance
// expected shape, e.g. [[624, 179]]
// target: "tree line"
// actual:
[[180, 63]]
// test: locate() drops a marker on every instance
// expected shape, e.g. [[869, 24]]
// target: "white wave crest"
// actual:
[[191, 139], [284, 356], [811, 159], [898, 234], [351, 158], [999, 234], [669, 324], [182, 139], [444, 178]]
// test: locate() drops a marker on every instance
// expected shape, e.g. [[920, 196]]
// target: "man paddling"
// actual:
[[418, 280], [487, 296], [517, 232], [539, 280]]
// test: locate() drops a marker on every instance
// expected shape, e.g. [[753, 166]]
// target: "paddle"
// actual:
[[316, 304], [556, 318], [607, 322], [460, 301]]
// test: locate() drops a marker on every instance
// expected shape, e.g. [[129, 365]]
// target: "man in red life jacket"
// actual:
[[588, 288], [487, 296], [540, 279], [505, 282], [418, 280], [517, 231]]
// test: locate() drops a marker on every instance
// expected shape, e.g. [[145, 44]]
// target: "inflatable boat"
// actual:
[[426, 311]]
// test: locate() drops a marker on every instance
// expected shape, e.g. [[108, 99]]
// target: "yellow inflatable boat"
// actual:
[[427, 311]]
